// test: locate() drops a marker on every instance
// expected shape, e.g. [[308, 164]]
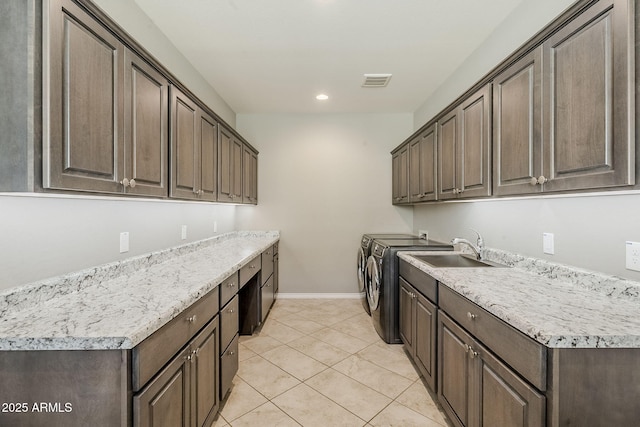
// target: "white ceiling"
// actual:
[[266, 56]]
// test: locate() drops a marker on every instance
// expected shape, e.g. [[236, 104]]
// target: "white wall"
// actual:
[[590, 231], [135, 22], [44, 236], [324, 180]]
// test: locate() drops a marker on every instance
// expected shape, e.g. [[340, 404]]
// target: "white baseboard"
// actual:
[[281, 295]]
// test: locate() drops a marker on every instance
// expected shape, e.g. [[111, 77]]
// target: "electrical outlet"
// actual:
[[423, 234], [124, 242], [633, 256], [548, 246], [184, 232]]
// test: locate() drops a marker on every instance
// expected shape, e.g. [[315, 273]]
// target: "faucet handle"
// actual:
[[480, 240]]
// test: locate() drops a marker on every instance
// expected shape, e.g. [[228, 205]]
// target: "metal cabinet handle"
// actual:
[[125, 182], [231, 353], [472, 353], [231, 285], [471, 316], [533, 180], [230, 310], [191, 319], [542, 180]]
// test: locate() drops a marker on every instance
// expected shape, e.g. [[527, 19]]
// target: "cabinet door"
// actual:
[[185, 146], [422, 167], [399, 166], [83, 110], [236, 170], [225, 166], [204, 387], [208, 157], [425, 338], [406, 315], [454, 373], [447, 154], [146, 130], [267, 298], [588, 93], [165, 401], [474, 170], [517, 127], [250, 178], [505, 399]]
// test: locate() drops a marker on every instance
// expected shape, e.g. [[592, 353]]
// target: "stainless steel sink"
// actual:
[[455, 261]]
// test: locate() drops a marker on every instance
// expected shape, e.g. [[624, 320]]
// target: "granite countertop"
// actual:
[[118, 305], [556, 305]]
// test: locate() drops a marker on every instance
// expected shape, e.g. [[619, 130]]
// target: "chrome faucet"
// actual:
[[477, 248]]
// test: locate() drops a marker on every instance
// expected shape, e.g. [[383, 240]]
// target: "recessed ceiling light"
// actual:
[[322, 97]]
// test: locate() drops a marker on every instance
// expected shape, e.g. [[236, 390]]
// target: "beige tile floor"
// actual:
[[321, 363]]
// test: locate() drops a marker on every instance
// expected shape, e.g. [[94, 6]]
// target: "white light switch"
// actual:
[[547, 243], [124, 242], [184, 232], [215, 226], [633, 256]]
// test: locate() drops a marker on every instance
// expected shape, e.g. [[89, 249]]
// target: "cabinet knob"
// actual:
[[542, 180], [231, 285], [132, 183], [533, 180], [230, 310], [125, 182], [191, 319], [252, 266], [231, 353], [472, 353], [455, 191], [471, 316], [460, 190]]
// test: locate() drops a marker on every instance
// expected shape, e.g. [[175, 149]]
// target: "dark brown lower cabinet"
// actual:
[[267, 297], [185, 392], [476, 389], [229, 328], [418, 330]]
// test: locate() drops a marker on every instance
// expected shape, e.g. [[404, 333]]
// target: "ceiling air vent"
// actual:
[[376, 80]]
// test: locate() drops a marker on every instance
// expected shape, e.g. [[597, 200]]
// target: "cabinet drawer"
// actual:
[[228, 323], [425, 284], [267, 264], [228, 366], [228, 289], [249, 270], [155, 351], [526, 356]]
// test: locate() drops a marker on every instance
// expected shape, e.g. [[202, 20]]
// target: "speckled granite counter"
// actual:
[[556, 305], [117, 305]]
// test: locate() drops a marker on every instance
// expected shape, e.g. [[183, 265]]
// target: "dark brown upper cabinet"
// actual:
[[588, 97], [249, 176], [464, 148], [423, 166], [230, 169], [146, 117], [193, 150], [89, 110], [106, 110], [517, 127], [400, 175], [84, 146]]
